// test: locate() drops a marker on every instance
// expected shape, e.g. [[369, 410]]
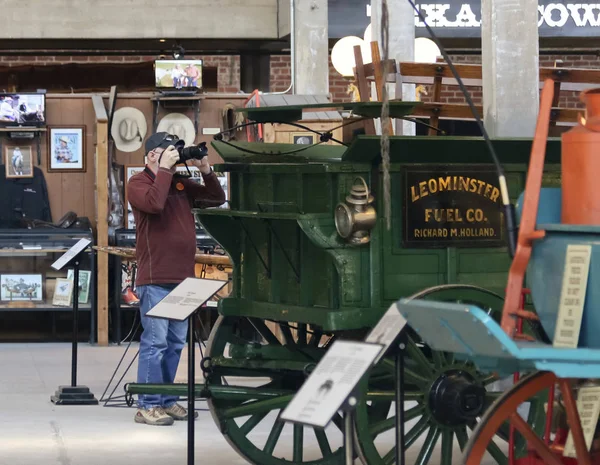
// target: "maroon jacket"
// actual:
[[165, 226]]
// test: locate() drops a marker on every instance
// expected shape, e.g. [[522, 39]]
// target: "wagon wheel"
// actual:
[[430, 376], [535, 386], [237, 359]]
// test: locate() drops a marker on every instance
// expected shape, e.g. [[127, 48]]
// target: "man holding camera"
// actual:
[[165, 252]]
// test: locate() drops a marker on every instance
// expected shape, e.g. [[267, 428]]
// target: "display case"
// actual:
[[29, 284]]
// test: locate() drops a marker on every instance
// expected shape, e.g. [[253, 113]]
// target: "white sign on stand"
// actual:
[[387, 330], [330, 384], [588, 407], [186, 298], [572, 297], [71, 254]]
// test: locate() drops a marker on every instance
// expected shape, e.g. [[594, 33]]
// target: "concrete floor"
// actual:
[[34, 431]]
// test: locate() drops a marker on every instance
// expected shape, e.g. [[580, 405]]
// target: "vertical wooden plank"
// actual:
[[72, 183], [102, 215], [363, 87], [437, 95], [53, 180], [89, 178], [379, 78]]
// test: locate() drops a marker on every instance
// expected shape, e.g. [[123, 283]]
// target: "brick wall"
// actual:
[[281, 78], [568, 99], [228, 67], [228, 72]]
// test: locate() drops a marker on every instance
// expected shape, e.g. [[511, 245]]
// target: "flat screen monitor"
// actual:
[[22, 109], [178, 74]]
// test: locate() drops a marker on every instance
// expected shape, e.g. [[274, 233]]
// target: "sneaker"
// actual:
[[155, 416], [177, 412], [129, 297]]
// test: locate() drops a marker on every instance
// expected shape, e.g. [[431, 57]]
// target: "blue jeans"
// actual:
[[161, 344]]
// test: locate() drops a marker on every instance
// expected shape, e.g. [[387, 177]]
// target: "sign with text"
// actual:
[[186, 298], [70, 254], [386, 331], [330, 384], [588, 407], [447, 206], [462, 18], [572, 296]]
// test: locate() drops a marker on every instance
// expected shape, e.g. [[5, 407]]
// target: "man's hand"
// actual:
[[202, 165], [169, 157]]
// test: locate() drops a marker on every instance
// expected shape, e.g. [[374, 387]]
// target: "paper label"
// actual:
[[330, 384], [387, 330], [186, 298], [572, 296], [588, 406], [71, 254]]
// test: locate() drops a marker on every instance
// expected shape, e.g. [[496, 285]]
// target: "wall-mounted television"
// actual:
[[178, 74], [22, 109]]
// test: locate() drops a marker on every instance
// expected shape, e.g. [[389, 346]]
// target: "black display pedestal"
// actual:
[[74, 394]]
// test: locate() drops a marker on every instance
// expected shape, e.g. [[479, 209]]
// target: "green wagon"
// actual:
[[313, 261]]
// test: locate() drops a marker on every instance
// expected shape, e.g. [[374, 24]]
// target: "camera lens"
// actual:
[[197, 152]]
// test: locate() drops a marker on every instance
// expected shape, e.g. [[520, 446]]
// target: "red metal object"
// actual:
[[527, 231], [580, 165], [260, 126]]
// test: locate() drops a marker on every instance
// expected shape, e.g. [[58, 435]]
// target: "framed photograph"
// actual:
[[21, 287], [130, 171], [303, 138], [84, 284], [18, 162], [66, 149], [63, 292]]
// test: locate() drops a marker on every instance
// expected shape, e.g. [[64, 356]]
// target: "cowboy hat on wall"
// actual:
[[180, 125], [128, 129]]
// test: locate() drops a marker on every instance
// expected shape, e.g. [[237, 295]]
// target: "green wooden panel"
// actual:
[[286, 204], [293, 113]]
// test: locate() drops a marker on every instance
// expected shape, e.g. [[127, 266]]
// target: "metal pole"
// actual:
[[400, 402], [349, 436], [75, 322], [191, 389]]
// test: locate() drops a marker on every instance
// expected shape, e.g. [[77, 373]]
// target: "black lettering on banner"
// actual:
[[445, 206]]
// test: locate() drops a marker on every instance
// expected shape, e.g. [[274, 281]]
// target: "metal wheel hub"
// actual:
[[455, 398]]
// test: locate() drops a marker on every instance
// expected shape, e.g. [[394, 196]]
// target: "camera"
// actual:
[[197, 152]]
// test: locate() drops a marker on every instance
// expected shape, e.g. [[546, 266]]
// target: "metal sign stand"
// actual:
[[73, 394], [180, 304], [317, 402]]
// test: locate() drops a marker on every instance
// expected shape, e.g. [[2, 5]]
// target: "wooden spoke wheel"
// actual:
[[541, 450], [434, 381], [274, 361]]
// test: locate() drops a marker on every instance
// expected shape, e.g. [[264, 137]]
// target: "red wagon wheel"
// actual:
[[547, 451]]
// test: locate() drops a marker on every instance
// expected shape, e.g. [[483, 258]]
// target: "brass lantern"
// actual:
[[355, 217]]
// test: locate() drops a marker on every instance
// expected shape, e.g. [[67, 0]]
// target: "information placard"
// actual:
[[387, 330], [572, 296], [588, 406], [186, 298], [71, 254], [330, 384]]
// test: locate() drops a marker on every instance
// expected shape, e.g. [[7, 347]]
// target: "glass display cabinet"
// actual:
[[28, 284]]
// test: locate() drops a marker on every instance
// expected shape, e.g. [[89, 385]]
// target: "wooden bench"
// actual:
[[439, 74]]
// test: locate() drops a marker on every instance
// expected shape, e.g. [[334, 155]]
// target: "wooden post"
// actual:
[[102, 217]]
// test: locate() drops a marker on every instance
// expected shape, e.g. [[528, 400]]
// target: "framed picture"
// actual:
[[303, 138], [84, 284], [21, 287], [63, 292], [66, 149], [130, 170], [18, 162]]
